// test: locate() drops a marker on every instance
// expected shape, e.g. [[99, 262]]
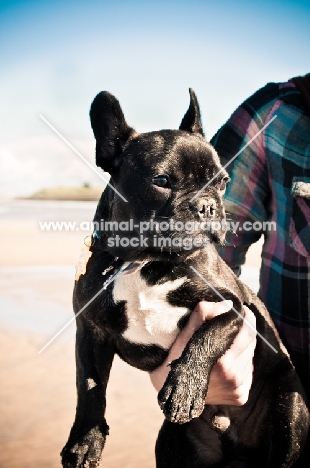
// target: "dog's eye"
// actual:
[[223, 183], [161, 181]]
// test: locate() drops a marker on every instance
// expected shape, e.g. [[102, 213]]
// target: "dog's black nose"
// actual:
[[206, 209]]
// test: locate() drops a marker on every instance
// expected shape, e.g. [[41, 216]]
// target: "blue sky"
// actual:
[[56, 56]]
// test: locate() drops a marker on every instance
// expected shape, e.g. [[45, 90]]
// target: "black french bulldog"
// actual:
[[152, 283]]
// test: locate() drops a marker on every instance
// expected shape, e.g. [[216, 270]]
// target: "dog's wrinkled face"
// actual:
[[159, 174]]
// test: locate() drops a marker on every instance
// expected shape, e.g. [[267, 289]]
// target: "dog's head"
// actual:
[[154, 206]]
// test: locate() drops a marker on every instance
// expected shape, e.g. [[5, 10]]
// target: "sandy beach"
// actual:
[[37, 392]]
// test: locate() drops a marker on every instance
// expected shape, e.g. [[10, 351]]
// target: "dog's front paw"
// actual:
[[84, 452], [182, 397]]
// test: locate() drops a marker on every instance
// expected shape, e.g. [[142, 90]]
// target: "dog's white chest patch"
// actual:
[[151, 319]]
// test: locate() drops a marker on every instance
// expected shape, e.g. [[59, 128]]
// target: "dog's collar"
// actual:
[[96, 234], [126, 268], [134, 267]]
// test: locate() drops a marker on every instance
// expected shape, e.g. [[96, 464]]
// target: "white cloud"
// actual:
[[10, 166], [35, 163]]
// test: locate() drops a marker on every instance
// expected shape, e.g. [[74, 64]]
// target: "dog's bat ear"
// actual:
[[110, 129], [192, 119]]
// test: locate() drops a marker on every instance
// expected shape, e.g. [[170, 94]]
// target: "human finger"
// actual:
[[208, 310], [231, 377]]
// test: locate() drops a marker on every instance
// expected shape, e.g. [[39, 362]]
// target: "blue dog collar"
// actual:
[[96, 234]]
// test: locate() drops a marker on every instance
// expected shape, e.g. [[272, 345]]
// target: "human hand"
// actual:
[[231, 377]]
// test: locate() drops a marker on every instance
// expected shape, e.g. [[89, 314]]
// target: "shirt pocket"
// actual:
[[299, 230]]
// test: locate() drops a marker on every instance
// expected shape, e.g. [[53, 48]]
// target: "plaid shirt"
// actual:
[[270, 181]]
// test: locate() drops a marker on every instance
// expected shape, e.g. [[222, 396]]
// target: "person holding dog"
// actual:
[[270, 181]]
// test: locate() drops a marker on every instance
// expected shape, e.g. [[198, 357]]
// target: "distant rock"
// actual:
[[85, 193]]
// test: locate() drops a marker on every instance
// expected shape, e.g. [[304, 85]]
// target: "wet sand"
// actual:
[[37, 405], [37, 392]]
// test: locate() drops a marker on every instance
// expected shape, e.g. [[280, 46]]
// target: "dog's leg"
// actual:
[[173, 448], [283, 431], [177, 446], [183, 394], [87, 437]]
